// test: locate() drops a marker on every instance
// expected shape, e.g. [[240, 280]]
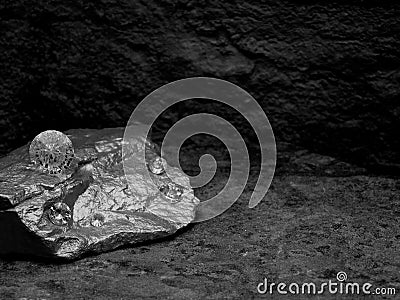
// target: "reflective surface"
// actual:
[[59, 214], [90, 207], [52, 151]]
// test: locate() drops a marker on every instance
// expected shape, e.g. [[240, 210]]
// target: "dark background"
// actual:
[[326, 73]]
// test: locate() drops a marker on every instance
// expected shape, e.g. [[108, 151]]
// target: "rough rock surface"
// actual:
[[321, 216], [106, 212], [326, 72]]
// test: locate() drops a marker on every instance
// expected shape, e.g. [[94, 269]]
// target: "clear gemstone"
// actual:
[[60, 214], [156, 166], [96, 223], [97, 220], [52, 151], [172, 191]]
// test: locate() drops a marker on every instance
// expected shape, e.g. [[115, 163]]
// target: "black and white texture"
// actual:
[[326, 73]]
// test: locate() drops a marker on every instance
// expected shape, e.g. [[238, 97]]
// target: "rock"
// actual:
[[90, 208]]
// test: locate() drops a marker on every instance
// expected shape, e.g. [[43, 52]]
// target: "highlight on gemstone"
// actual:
[[97, 220], [172, 191], [52, 151], [60, 214], [156, 166]]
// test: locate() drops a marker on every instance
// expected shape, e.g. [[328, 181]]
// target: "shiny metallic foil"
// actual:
[[105, 212]]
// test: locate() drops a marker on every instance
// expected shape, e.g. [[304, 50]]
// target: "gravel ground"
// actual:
[[321, 216]]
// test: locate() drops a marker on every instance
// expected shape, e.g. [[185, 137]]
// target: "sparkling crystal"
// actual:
[[52, 151], [97, 220], [156, 166], [172, 191], [59, 214]]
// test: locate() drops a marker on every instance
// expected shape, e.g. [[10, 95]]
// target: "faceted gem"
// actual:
[[60, 214], [97, 220], [156, 166], [172, 191], [52, 151]]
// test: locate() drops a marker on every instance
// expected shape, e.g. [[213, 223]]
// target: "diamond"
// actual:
[[156, 166], [172, 191], [52, 151], [97, 220], [60, 214]]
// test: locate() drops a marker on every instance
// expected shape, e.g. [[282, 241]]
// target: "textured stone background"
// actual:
[[327, 74]]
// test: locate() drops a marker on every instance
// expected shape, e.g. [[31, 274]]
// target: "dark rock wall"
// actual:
[[327, 74]]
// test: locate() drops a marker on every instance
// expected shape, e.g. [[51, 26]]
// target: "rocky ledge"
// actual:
[[90, 208]]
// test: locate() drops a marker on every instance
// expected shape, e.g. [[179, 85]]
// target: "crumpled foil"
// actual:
[[105, 212]]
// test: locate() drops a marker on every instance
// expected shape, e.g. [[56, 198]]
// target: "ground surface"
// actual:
[[321, 216]]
